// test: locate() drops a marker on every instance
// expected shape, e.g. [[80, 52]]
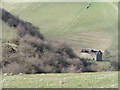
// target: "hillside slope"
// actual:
[[72, 23], [29, 52]]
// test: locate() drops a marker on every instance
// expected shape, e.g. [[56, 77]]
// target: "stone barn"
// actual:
[[91, 54]]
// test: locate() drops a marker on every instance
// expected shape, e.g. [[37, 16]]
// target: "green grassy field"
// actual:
[[72, 23], [81, 80]]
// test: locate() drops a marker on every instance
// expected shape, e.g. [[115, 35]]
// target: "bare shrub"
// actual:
[[115, 64], [100, 67], [21, 31], [107, 55], [58, 62], [7, 50], [65, 49], [48, 69], [35, 42], [9, 18], [32, 30], [106, 67], [27, 28], [71, 69], [13, 22], [77, 62], [16, 40], [33, 65], [93, 68], [27, 50], [30, 68], [14, 57], [53, 60], [14, 68]]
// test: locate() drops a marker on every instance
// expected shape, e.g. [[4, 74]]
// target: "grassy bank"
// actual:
[[80, 80]]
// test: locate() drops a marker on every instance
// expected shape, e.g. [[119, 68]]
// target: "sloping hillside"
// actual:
[[29, 52], [72, 23]]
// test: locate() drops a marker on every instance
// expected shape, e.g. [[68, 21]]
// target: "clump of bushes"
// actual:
[[115, 64], [27, 28], [40, 56], [14, 68], [102, 66]]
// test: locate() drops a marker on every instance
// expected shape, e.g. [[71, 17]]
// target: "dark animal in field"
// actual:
[[88, 6]]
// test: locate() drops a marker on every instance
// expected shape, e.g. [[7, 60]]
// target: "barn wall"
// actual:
[[99, 57], [88, 56]]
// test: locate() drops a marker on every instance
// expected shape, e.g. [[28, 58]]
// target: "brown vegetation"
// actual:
[[37, 56]]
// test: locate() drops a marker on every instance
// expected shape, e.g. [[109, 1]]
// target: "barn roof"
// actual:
[[90, 51]]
